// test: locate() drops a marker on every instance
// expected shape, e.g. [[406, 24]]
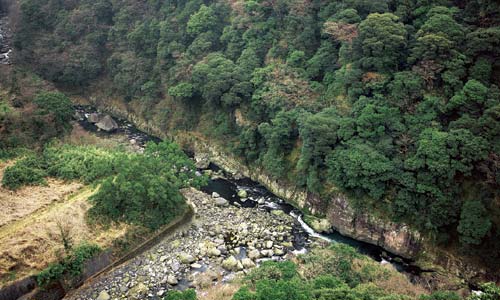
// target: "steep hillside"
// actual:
[[395, 103]]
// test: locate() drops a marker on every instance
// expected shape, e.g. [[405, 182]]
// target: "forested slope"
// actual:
[[395, 102]]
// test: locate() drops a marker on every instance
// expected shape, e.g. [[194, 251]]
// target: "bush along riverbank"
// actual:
[[138, 189]]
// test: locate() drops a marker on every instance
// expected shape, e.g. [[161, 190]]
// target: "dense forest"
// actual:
[[395, 102]]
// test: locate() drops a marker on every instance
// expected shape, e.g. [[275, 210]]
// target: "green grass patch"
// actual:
[[69, 267]]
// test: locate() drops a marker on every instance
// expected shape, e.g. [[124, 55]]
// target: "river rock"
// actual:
[[172, 280], [230, 264], [196, 266], [278, 212], [242, 194], [319, 225], [239, 266], [221, 202], [179, 255], [247, 263], [103, 296], [215, 195], [214, 252], [138, 290], [94, 118], [202, 161], [269, 244], [279, 252], [186, 258], [107, 124], [254, 254]]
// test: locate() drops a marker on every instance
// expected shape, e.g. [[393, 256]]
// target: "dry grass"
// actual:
[[390, 280], [30, 244], [32, 219], [27, 200], [224, 291], [81, 137]]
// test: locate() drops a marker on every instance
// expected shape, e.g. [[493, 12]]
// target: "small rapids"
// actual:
[[258, 197]]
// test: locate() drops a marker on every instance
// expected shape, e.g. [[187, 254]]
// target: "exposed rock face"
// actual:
[[396, 238], [107, 124]]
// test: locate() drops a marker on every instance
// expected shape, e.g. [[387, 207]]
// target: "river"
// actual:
[[5, 39], [260, 198]]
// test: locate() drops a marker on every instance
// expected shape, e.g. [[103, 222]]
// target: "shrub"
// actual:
[[490, 291], [139, 195], [72, 265], [185, 295], [146, 190], [27, 171], [56, 104], [271, 270], [52, 273], [441, 295], [337, 261], [86, 163]]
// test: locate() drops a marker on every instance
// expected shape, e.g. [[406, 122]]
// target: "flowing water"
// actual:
[[5, 39], [259, 198]]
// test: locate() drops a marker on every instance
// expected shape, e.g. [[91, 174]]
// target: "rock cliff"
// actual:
[[395, 238]]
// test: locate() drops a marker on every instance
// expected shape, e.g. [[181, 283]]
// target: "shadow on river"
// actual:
[[258, 197]]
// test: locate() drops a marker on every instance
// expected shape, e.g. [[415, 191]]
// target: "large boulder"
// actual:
[[212, 252], [138, 291], [107, 124], [254, 254], [202, 160], [319, 225], [247, 263], [172, 280]]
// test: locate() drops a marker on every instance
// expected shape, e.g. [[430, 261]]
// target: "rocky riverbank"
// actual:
[[339, 215], [223, 240]]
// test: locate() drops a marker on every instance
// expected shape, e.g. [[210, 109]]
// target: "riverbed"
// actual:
[[161, 269]]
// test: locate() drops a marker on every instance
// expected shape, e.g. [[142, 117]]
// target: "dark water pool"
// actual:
[[258, 197]]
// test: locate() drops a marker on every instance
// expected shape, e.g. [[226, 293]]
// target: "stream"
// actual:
[[258, 197], [5, 39]]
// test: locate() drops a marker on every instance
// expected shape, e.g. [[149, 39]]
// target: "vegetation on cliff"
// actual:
[[395, 102]]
